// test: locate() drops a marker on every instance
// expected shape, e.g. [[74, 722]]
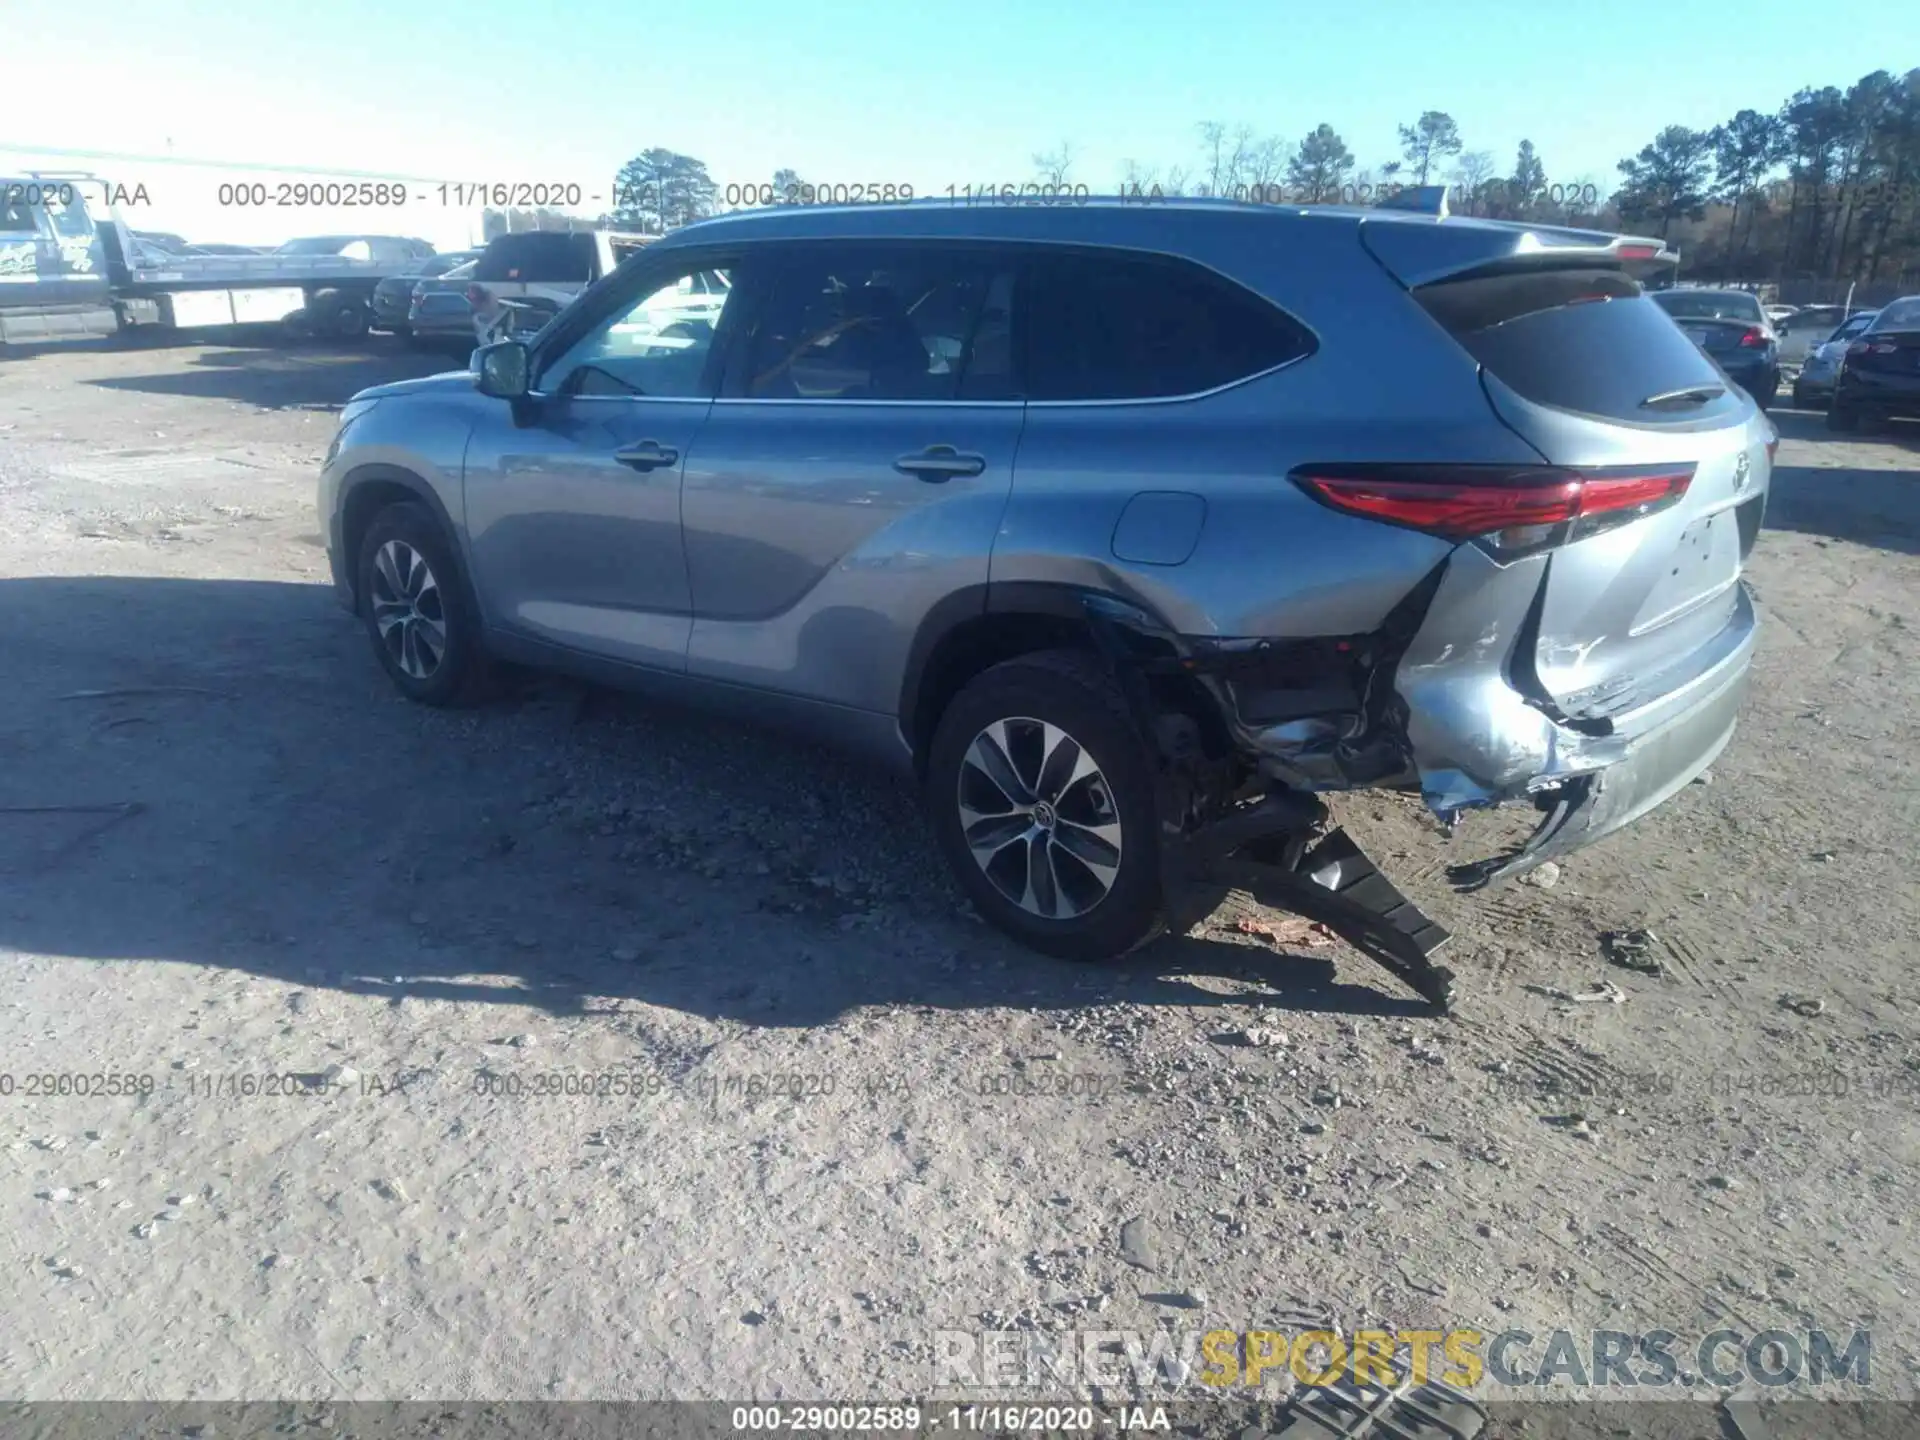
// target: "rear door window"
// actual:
[[1586, 340], [1107, 326]]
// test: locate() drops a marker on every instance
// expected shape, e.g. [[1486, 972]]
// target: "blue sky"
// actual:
[[490, 90]]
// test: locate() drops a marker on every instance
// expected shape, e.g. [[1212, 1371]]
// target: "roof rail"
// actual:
[[1420, 199]]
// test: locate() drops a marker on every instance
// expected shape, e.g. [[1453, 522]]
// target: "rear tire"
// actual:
[[1062, 850], [414, 603]]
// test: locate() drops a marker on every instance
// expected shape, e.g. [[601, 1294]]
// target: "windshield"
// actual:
[[1708, 305], [1900, 315]]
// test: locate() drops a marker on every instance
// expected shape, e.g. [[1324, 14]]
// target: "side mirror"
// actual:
[[501, 370]]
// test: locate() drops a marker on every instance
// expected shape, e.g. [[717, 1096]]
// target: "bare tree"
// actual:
[[1213, 156], [1266, 162], [1471, 172], [1053, 167]]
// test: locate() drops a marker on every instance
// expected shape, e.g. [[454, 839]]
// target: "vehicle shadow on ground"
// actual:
[[229, 781], [1870, 506], [287, 375]]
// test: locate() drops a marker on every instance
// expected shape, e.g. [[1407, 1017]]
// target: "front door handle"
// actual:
[[647, 455], [939, 463]]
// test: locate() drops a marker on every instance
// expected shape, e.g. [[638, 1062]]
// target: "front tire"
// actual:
[[1041, 794], [414, 604]]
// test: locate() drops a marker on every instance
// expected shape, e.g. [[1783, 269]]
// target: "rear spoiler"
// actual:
[[1461, 247]]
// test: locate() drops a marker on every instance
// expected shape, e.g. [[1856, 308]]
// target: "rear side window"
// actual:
[[1113, 327], [1589, 341], [537, 257]]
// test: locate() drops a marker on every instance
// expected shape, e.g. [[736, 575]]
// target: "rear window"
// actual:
[[1709, 305], [538, 257], [1109, 327], [1900, 315], [1589, 341]]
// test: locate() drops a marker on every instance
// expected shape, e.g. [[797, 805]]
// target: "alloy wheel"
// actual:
[[1039, 818], [408, 611]]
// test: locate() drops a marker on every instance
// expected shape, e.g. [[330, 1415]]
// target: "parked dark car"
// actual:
[[439, 313], [1880, 376], [392, 296], [1734, 331]]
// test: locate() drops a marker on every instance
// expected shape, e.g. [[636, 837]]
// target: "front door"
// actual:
[[854, 470], [574, 518]]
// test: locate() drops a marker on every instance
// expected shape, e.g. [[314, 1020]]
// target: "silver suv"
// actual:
[[1124, 528]]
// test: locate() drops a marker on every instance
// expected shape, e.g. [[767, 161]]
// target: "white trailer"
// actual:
[[70, 268]]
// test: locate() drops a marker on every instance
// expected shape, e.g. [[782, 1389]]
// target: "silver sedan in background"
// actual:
[[1813, 386]]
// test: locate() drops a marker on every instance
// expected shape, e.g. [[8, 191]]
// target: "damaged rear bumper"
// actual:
[[1465, 722], [1479, 741]]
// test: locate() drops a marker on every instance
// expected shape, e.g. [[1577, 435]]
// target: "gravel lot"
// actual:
[[310, 873]]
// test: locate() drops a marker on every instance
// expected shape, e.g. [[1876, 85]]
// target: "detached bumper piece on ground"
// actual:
[[1281, 853]]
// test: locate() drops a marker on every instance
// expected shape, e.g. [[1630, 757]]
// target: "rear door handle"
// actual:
[[938, 463], [647, 455]]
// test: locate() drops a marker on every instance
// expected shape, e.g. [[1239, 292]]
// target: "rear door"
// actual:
[[1598, 378], [855, 468]]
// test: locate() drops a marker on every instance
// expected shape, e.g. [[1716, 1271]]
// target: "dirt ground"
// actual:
[[848, 1116]]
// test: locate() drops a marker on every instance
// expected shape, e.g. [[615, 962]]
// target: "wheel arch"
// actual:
[[985, 625], [368, 490]]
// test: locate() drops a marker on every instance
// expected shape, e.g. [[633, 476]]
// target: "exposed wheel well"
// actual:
[[979, 644]]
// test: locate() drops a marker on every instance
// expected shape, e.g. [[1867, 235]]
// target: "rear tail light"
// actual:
[[1510, 510], [477, 295], [1754, 339]]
